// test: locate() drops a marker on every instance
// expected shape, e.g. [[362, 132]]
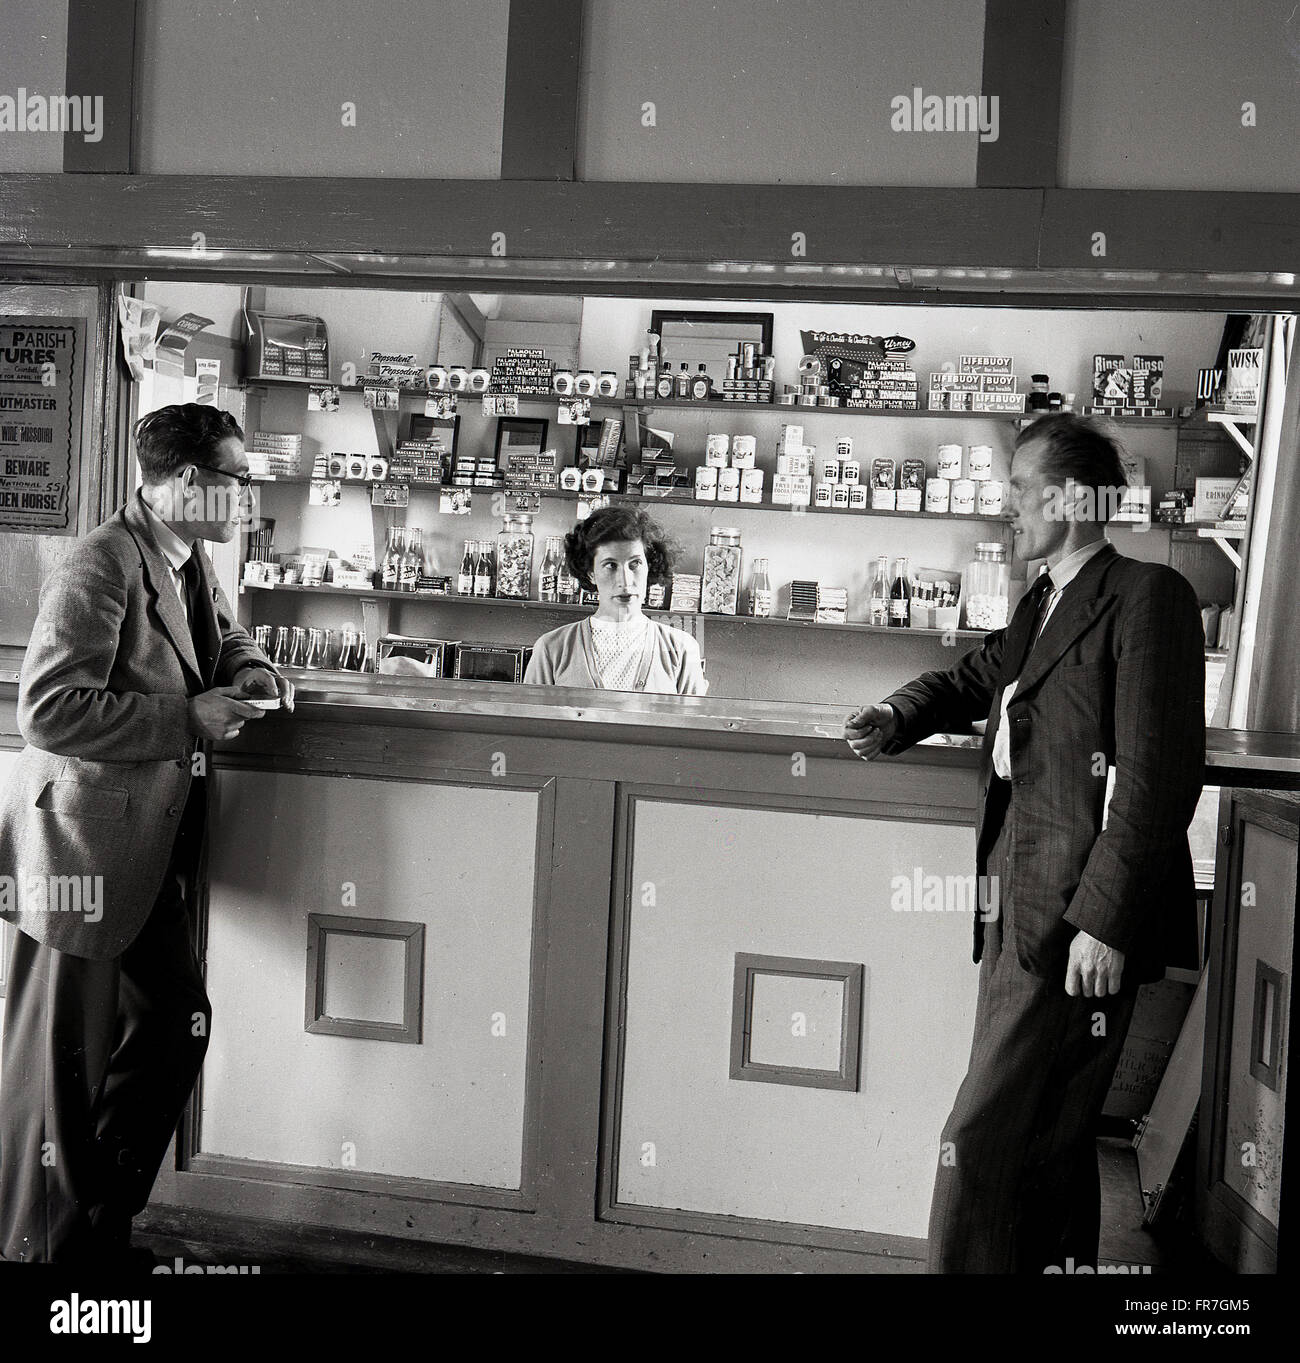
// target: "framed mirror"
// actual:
[[707, 338], [519, 435]]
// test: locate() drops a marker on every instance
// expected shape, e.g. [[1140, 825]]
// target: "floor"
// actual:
[[229, 1243]]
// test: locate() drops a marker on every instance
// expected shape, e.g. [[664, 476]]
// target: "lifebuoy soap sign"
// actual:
[[42, 362]]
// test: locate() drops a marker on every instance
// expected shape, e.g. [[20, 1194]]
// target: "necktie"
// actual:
[[1039, 594], [200, 614]]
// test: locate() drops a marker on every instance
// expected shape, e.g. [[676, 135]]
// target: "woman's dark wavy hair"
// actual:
[[185, 433], [618, 523]]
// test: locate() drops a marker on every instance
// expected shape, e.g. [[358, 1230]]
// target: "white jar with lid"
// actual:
[[985, 588]]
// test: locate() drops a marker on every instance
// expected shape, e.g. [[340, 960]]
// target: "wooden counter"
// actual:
[[537, 906]]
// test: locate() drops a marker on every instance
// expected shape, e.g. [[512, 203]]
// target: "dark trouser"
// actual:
[[1017, 1189], [99, 1059]]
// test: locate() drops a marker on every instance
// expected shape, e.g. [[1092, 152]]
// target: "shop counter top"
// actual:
[[563, 711]]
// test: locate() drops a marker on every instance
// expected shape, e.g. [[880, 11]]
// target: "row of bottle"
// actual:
[[505, 570], [403, 562], [297, 646], [684, 384], [891, 595]]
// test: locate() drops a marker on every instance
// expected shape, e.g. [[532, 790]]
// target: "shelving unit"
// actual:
[[444, 599]]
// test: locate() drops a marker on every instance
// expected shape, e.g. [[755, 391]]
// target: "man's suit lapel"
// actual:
[[1080, 604], [159, 577]]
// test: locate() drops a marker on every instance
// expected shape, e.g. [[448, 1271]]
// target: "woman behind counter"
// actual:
[[617, 552]]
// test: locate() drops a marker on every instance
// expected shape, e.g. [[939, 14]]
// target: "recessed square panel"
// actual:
[[365, 977], [796, 1021]]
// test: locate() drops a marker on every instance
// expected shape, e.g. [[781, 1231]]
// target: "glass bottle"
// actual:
[[566, 584], [483, 573], [389, 563], [760, 591], [682, 386], [297, 647], [880, 592], [348, 649], [900, 598], [412, 560], [700, 385], [548, 580], [465, 576]]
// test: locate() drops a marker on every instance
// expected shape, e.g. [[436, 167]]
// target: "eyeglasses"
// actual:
[[245, 480]]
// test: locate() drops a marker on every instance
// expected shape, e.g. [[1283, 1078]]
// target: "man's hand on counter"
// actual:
[[869, 729], [220, 713], [258, 682]]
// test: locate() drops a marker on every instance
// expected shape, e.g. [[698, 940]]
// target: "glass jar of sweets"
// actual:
[[984, 588], [515, 557], [720, 586]]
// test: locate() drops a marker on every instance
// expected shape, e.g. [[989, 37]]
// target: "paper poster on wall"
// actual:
[[42, 372]]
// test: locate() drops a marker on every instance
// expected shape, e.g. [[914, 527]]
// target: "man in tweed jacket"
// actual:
[[135, 662], [1092, 765]]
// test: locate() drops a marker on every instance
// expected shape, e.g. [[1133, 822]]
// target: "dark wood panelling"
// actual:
[[1170, 230], [1024, 50], [539, 130], [537, 220], [101, 61]]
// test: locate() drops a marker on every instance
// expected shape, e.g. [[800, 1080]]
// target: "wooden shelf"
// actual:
[[714, 406], [636, 499], [435, 599]]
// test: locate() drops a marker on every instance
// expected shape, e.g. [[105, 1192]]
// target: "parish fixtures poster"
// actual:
[[42, 363]]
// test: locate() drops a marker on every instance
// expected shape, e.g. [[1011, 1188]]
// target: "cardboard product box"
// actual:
[[986, 364], [1211, 496], [1106, 388], [1148, 380]]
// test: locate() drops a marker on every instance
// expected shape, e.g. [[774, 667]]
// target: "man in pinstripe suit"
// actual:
[[1092, 765]]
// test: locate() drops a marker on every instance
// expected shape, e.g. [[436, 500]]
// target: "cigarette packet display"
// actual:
[[883, 473], [686, 592]]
